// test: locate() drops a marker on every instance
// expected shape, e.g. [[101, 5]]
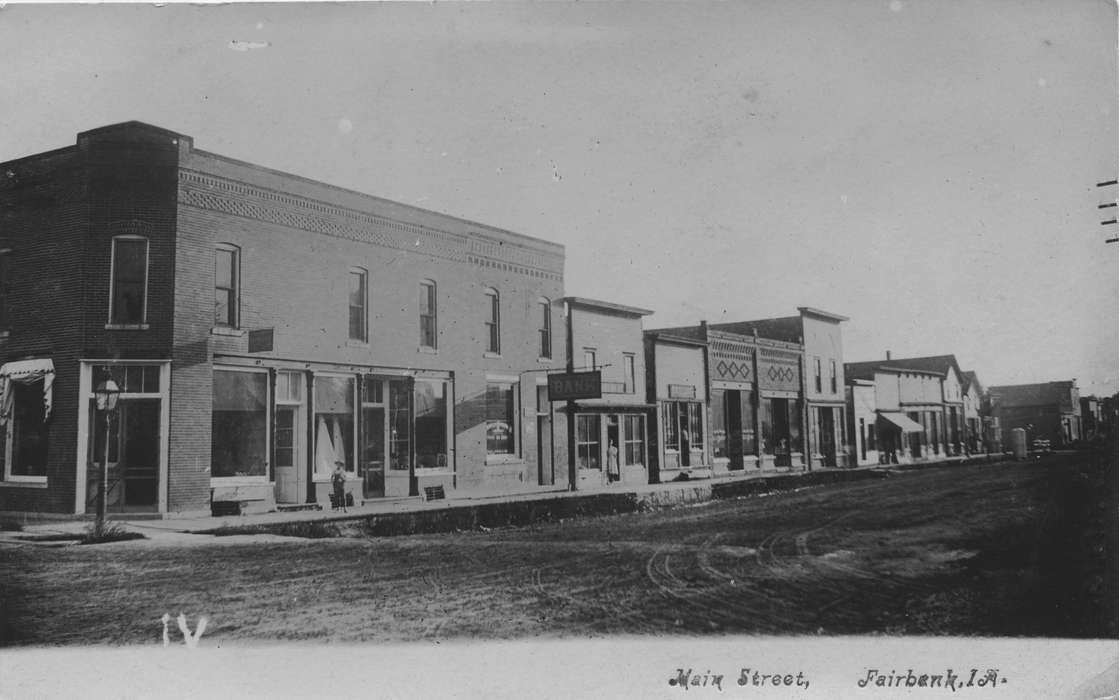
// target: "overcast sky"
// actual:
[[926, 168]]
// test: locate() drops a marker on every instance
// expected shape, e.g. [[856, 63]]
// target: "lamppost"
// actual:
[[106, 395]]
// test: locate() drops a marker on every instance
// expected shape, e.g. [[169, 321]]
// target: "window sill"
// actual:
[[25, 482], [544, 360], [227, 331], [503, 459], [433, 471], [492, 355], [427, 350], [126, 326], [355, 343], [239, 480]]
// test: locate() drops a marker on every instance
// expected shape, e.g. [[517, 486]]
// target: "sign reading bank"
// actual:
[[575, 385]]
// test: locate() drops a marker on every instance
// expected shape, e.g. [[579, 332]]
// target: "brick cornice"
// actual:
[[214, 193]]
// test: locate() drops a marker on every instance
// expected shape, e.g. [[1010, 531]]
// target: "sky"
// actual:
[[927, 169]]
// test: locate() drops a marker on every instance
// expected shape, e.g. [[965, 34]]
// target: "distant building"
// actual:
[[919, 404], [1047, 411]]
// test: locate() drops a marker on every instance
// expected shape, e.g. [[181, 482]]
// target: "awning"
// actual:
[[907, 424], [25, 372]]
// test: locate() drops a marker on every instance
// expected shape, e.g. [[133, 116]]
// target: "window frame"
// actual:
[[113, 322], [493, 322], [628, 439], [430, 289], [5, 290], [819, 375], [590, 359], [629, 372], [834, 378], [363, 276], [594, 420], [10, 428], [269, 417], [514, 386], [545, 331], [234, 290]]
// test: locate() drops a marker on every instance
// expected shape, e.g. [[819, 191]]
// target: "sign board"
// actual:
[[575, 385], [681, 391], [261, 340]]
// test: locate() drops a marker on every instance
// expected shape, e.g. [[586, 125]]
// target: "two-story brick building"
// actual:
[[263, 328], [1046, 411]]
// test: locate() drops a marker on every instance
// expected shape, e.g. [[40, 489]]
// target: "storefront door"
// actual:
[[133, 457], [826, 418]]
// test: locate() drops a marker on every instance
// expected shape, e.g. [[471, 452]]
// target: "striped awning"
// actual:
[[25, 372]]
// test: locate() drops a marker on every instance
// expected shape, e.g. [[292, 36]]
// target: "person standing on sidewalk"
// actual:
[[612, 472]]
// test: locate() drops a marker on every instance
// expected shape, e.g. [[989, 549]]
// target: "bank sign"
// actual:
[[575, 385]]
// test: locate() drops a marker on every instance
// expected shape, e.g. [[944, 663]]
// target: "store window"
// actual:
[[634, 439], [501, 418], [431, 423], [239, 432], [720, 426], [127, 301], [400, 425], [588, 442], [25, 434], [334, 423], [781, 426]]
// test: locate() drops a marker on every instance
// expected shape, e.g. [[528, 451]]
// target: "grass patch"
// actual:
[[108, 532], [312, 529]]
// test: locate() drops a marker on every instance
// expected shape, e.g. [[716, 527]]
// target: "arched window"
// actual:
[[493, 321], [129, 281]]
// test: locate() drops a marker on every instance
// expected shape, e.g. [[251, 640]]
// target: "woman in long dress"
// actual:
[[612, 473]]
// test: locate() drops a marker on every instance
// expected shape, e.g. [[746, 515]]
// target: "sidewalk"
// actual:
[[458, 512]]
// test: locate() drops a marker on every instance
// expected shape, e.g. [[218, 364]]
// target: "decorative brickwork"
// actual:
[[261, 204]]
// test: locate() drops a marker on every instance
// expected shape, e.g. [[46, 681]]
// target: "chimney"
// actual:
[[887, 354]]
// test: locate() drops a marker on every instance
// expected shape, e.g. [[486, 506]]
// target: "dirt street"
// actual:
[[1010, 549]]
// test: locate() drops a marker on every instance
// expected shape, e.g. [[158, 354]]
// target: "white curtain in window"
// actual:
[[25, 372], [324, 448]]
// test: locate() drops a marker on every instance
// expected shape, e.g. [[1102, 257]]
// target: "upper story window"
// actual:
[[834, 384], [227, 274], [590, 358], [629, 377], [359, 325], [129, 290], [493, 321], [545, 327], [5, 287], [819, 377], [427, 314]]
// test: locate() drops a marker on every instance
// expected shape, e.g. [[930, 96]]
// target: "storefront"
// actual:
[[734, 414], [611, 445], [781, 405], [679, 387], [279, 433]]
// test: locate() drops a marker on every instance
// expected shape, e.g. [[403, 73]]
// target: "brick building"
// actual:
[[1047, 411], [263, 328]]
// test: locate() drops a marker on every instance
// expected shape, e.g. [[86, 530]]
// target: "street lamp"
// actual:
[[106, 395]]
